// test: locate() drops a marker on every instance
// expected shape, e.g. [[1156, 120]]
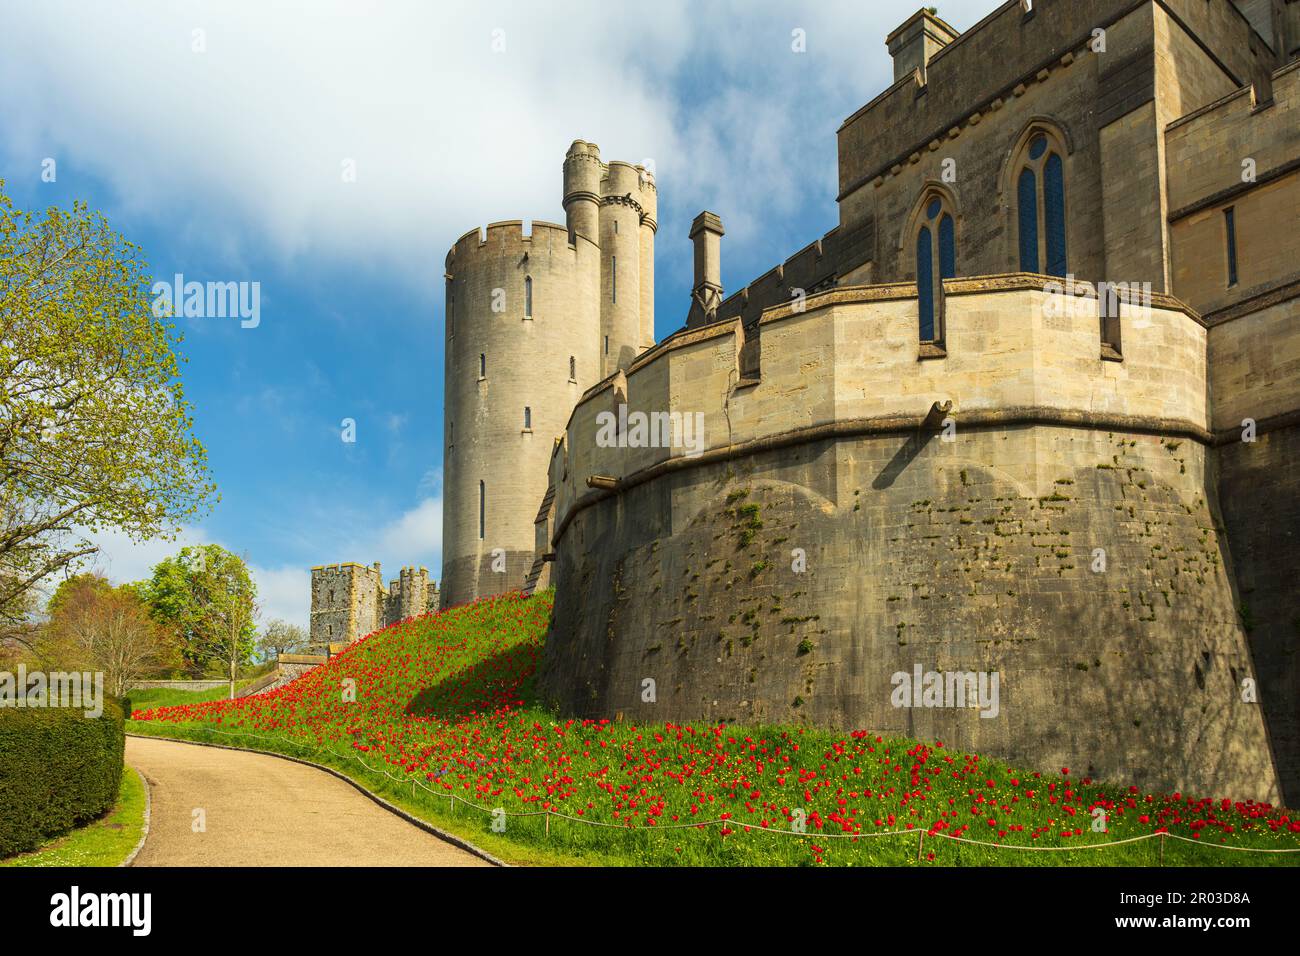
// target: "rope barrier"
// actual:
[[751, 827]]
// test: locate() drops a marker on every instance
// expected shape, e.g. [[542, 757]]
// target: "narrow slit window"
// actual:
[[613, 278], [607, 345], [482, 365], [528, 417], [528, 297], [482, 509], [1230, 235], [573, 369]]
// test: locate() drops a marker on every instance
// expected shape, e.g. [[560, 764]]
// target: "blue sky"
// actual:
[[220, 152]]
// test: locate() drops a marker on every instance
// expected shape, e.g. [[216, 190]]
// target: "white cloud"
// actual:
[[413, 538], [283, 593], [122, 560], [245, 143]]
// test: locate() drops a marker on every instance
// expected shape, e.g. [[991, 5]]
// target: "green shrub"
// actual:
[[58, 770]]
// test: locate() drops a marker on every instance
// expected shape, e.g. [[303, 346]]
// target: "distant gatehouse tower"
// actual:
[[349, 601]]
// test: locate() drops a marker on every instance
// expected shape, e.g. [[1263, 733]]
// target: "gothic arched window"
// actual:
[[936, 260], [1040, 206]]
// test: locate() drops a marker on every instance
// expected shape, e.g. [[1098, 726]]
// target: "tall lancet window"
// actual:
[[1040, 206], [936, 260]]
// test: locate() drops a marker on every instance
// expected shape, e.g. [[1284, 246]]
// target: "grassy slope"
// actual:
[[148, 698], [107, 841], [443, 707]]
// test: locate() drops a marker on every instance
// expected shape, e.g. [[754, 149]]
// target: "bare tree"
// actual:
[[103, 629], [281, 637]]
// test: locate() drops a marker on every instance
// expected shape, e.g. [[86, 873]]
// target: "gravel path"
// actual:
[[264, 811]]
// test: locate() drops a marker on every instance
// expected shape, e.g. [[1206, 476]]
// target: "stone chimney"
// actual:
[[912, 45], [706, 295]]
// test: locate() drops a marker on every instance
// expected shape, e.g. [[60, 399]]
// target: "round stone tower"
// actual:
[[620, 259], [526, 330], [649, 226]]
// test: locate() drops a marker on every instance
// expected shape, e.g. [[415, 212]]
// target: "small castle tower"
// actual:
[[347, 602], [409, 594]]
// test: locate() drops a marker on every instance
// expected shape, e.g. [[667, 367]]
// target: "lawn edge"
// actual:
[[144, 827], [410, 818]]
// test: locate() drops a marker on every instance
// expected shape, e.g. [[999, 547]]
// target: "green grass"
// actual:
[[527, 841], [107, 841], [148, 698], [423, 732]]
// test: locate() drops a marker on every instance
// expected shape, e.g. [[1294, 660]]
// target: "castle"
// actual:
[[1029, 410], [532, 322], [349, 601]]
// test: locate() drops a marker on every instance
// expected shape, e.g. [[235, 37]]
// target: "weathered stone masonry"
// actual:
[[1079, 429]]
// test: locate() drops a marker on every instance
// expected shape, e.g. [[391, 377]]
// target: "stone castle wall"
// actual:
[[973, 107], [1206, 152], [975, 554], [822, 424], [345, 602]]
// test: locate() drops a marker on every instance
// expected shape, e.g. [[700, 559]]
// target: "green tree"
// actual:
[[95, 432], [207, 598]]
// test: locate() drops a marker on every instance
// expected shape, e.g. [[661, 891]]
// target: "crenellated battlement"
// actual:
[[534, 317], [349, 600], [509, 236], [810, 270]]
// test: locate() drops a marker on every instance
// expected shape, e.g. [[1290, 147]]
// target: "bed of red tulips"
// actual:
[[444, 703]]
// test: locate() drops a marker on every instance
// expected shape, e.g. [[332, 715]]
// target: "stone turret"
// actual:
[[534, 320]]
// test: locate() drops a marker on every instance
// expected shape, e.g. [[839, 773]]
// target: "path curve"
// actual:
[[260, 810]]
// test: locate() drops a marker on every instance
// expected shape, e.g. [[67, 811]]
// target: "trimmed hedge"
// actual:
[[58, 770]]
